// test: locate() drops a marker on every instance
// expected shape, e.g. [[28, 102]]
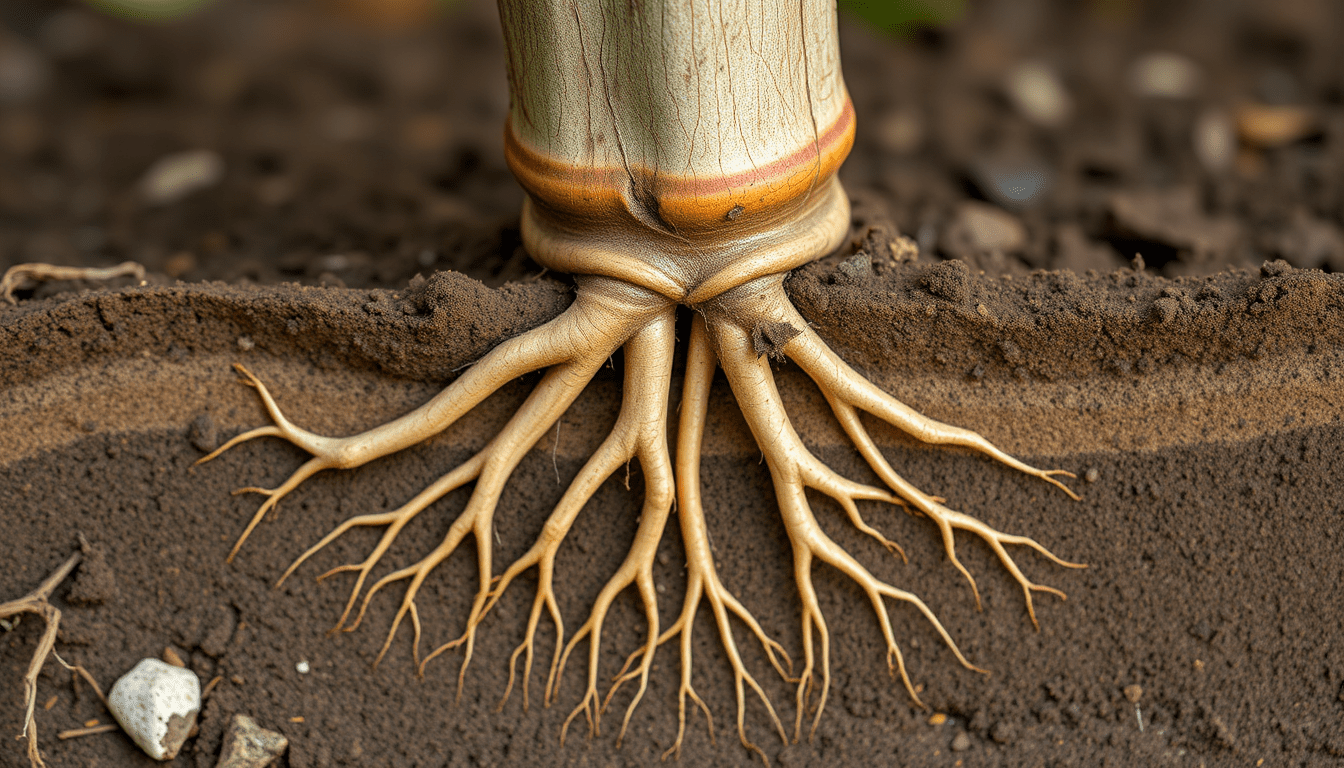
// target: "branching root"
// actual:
[[605, 315]]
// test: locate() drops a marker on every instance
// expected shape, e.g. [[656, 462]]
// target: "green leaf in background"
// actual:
[[901, 17], [148, 10]]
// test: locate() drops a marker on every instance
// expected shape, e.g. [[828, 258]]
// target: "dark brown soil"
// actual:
[[1202, 404]]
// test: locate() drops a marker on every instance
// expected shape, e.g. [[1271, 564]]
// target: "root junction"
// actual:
[[727, 331]]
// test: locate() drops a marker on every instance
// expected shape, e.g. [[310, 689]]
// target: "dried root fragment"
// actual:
[[21, 275], [35, 602]]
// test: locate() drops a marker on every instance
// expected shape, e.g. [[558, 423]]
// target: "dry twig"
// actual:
[[36, 602], [21, 275]]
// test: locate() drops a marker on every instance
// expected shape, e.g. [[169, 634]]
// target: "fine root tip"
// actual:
[[1048, 477]]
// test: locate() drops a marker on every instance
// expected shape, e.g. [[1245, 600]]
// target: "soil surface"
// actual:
[[990, 283]]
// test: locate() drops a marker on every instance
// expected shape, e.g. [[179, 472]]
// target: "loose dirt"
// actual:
[[1196, 395]]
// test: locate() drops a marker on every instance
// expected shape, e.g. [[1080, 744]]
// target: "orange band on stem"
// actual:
[[683, 203]]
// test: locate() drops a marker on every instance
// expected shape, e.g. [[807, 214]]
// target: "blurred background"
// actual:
[[358, 142]]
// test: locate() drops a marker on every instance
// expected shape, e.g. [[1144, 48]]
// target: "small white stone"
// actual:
[[1215, 140], [302, 667], [1039, 94], [989, 228], [175, 176], [1164, 75], [156, 704]]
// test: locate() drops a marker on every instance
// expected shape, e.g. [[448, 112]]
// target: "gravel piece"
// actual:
[[981, 228], [248, 745], [1175, 218], [1215, 140], [175, 176], [1265, 125], [1163, 74], [156, 704], [1013, 183], [1036, 90]]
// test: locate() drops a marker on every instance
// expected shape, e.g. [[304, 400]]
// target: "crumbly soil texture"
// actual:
[[1124, 274]]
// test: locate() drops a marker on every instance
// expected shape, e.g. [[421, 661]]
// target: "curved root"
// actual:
[[793, 469], [574, 346], [703, 582]]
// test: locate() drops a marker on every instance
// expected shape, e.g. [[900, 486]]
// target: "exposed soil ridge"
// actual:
[[922, 318]]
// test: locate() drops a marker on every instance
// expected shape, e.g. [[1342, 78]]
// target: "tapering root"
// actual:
[[637, 570], [573, 346], [946, 519], [794, 469], [579, 340], [848, 392], [606, 314], [703, 584]]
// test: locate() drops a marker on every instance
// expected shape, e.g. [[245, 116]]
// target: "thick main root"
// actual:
[[737, 327], [574, 345]]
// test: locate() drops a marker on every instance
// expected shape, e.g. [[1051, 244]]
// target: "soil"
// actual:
[[1195, 390]]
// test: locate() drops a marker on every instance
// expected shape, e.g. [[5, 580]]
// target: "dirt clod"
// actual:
[[95, 582], [948, 280]]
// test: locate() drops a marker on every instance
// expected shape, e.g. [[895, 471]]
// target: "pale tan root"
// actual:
[[641, 432], [702, 578], [574, 345], [947, 519], [491, 469], [638, 433], [35, 602], [21, 275], [848, 392], [604, 314], [794, 469]]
